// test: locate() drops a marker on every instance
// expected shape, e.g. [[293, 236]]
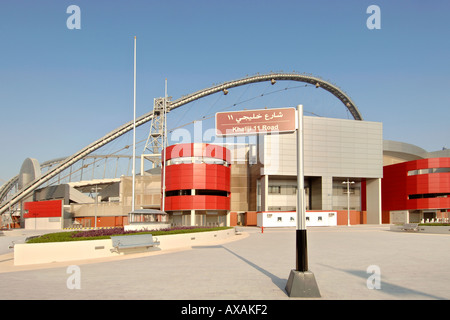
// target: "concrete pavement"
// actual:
[[254, 266]]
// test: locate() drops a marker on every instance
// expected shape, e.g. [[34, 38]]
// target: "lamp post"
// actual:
[[348, 182], [301, 282], [96, 203], [134, 135], [163, 204]]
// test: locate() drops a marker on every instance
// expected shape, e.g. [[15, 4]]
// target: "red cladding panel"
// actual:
[[397, 185], [43, 209], [199, 202], [198, 176], [198, 150]]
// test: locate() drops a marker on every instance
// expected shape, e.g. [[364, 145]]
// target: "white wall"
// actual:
[[319, 219], [332, 147], [289, 219], [43, 223]]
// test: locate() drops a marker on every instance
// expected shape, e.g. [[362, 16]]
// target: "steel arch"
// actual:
[[343, 97]]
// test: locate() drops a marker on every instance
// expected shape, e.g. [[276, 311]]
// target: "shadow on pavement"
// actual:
[[387, 287], [280, 283]]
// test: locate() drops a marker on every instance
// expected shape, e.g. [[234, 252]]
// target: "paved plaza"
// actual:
[[251, 266]]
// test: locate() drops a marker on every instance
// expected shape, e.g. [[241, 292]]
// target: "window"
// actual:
[[274, 189], [279, 219], [428, 170], [184, 192], [428, 195], [197, 160], [283, 189], [154, 217], [289, 190], [204, 192]]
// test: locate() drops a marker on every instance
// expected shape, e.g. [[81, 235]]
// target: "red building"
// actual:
[[416, 190], [197, 180], [44, 214]]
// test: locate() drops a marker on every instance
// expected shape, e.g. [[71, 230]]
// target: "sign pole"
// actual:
[[302, 255], [301, 282]]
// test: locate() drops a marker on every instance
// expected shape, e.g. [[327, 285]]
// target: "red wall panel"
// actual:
[[204, 176], [43, 209], [198, 176], [198, 150], [200, 202], [397, 185]]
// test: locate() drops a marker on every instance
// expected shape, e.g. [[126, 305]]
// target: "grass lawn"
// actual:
[[107, 233]]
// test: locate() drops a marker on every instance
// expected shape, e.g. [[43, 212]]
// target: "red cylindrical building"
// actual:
[[420, 188], [197, 184]]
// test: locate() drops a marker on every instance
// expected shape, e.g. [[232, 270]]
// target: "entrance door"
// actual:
[[429, 215], [240, 218]]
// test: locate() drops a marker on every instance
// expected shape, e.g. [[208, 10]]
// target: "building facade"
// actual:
[[352, 176], [337, 152], [197, 184], [416, 184]]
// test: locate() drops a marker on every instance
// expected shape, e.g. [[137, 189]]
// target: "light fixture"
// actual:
[[348, 182], [225, 91], [317, 85], [273, 81]]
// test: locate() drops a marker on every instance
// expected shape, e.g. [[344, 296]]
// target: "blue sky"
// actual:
[[62, 89]]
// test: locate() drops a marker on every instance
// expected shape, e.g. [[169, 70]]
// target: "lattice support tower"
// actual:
[[154, 144]]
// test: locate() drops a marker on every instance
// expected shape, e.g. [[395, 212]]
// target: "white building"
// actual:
[[335, 151]]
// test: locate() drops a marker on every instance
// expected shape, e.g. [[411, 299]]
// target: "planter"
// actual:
[[434, 229], [424, 229], [38, 253]]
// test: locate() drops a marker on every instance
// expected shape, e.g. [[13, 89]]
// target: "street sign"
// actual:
[[255, 121]]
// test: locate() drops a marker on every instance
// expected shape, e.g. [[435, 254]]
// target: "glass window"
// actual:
[[275, 189], [197, 160]]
